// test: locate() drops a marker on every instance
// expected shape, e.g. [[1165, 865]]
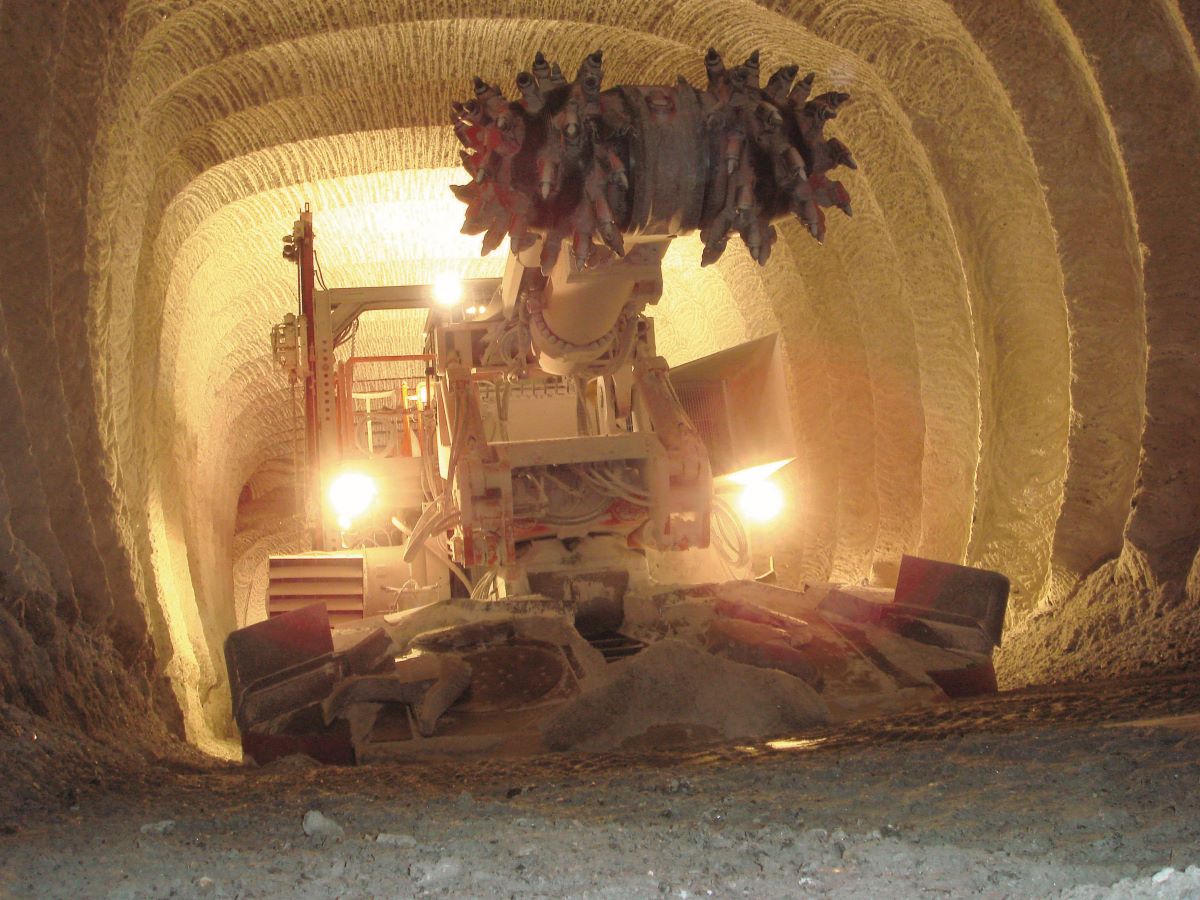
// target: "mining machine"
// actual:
[[521, 513]]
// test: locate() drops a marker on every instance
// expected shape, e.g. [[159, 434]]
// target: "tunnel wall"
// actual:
[[74, 638], [994, 361]]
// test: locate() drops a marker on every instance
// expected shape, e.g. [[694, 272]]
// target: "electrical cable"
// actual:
[[609, 481], [604, 492], [427, 515], [317, 270], [441, 554], [457, 422], [580, 519], [432, 546], [347, 334], [485, 586], [427, 526], [734, 545]]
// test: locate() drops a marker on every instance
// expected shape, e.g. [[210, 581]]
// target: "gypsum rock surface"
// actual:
[[993, 361]]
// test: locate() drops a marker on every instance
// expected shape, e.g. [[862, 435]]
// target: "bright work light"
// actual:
[[756, 473], [760, 501], [448, 290], [350, 495]]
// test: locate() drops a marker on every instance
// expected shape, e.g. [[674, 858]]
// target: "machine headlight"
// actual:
[[760, 501], [755, 474], [447, 290], [350, 495]]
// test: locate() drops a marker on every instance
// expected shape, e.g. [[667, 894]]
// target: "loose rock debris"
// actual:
[[1030, 794], [317, 825]]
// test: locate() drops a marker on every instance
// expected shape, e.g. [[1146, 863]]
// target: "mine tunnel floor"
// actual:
[[1079, 791]]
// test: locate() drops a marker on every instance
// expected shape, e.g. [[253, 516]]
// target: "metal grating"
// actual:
[[333, 579], [707, 405], [737, 399], [614, 646]]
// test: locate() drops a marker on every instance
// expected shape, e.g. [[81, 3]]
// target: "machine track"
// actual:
[[614, 645]]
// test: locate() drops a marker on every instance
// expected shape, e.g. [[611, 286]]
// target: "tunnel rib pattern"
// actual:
[[993, 362]]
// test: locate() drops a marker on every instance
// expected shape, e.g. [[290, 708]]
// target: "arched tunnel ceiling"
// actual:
[[242, 128], [968, 355]]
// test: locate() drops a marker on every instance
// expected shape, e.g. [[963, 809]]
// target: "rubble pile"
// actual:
[[688, 664]]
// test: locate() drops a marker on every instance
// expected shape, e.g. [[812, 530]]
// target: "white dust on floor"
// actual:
[[1073, 811]]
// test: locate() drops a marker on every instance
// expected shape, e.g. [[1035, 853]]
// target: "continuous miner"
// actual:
[[694, 536]]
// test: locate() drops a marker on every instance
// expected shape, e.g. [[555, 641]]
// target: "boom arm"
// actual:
[[632, 167]]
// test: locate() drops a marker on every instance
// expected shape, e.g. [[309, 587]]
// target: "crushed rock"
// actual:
[[166, 826], [293, 762], [673, 683], [445, 869], [395, 840], [999, 799], [318, 825], [1165, 884]]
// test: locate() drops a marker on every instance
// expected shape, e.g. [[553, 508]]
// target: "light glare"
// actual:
[[757, 473], [760, 501], [350, 494], [447, 290]]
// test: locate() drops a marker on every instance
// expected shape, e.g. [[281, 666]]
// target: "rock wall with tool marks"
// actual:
[[996, 360]]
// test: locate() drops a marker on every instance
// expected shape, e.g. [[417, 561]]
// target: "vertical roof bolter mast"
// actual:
[[312, 450]]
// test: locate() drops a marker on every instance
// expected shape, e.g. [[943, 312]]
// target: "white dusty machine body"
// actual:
[[531, 415], [520, 534]]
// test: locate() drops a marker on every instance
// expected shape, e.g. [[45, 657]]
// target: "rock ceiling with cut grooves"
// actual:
[[968, 356]]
